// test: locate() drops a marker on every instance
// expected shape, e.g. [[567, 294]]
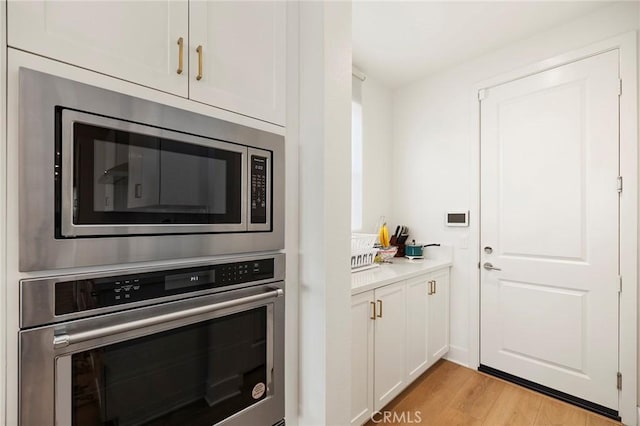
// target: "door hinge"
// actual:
[[619, 380], [619, 284], [619, 87], [481, 94], [620, 184]]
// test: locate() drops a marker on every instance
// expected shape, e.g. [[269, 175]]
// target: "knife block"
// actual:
[[394, 242]]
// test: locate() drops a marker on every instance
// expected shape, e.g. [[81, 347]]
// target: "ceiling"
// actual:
[[401, 41]]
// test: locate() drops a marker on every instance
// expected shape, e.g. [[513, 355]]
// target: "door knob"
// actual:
[[489, 267]]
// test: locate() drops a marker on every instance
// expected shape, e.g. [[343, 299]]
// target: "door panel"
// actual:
[[549, 128], [549, 210], [540, 309]]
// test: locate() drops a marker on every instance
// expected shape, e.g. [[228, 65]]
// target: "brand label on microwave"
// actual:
[[258, 390]]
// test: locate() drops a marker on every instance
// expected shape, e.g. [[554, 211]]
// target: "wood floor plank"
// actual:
[[514, 406], [449, 394], [553, 412], [454, 417], [478, 396], [596, 420]]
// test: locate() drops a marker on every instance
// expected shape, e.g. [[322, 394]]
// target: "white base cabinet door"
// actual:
[[135, 41], [438, 322], [362, 315], [389, 354], [417, 317], [427, 321], [237, 52]]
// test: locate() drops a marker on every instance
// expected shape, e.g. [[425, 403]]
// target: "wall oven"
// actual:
[[106, 178], [197, 345]]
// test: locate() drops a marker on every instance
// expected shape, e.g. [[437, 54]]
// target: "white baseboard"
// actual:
[[458, 355]]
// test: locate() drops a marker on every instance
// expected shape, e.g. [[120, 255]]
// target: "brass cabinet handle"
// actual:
[[180, 54], [380, 306], [430, 292], [373, 310], [435, 286], [199, 50]]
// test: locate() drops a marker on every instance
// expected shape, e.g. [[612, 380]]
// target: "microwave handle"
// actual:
[[64, 340]]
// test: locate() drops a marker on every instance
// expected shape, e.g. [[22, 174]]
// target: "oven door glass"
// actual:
[[195, 375], [125, 174]]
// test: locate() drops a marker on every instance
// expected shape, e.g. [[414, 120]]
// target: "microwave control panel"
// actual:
[[84, 295], [258, 189]]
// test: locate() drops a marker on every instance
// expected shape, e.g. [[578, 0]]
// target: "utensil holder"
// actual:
[[394, 242]]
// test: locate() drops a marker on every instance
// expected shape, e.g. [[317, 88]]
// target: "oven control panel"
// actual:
[[86, 294], [258, 189]]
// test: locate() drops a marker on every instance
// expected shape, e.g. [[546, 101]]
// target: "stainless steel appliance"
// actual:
[[197, 345], [107, 178]]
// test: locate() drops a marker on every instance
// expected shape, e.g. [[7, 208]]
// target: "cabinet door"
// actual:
[[242, 56], [132, 40], [390, 340], [362, 314], [417, 356], [438, 330]]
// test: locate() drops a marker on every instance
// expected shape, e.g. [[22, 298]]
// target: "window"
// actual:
[[356, 154]]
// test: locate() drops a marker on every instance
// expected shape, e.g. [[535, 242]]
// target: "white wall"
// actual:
[[291, 218], [433, 135], [376, 156], [325, 205]]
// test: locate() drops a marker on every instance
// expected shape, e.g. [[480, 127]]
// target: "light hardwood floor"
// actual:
[[449, 394]]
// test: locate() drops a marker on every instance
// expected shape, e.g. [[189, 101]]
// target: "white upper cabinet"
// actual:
[[239, 47], [228, 54], [132, 40]]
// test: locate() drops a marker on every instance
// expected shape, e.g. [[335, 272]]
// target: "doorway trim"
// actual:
[[628, 235]]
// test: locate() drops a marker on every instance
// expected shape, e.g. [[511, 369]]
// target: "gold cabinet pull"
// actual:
[[199, 50], [380, 306], [373, 310], [430, 291], [180, 55], [435, 286]]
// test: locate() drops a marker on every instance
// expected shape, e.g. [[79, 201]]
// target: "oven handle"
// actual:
[[64, 340]]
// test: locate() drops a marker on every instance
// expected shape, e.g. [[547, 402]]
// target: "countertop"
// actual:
[[400, 269]]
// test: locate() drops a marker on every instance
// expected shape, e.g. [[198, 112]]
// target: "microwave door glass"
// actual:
[[129, 178]]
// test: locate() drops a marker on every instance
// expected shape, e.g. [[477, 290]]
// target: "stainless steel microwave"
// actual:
[[107, 178]]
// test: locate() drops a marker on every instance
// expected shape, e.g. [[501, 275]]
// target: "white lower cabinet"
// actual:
[[417, 317], [389, 343], [398, 331], [427, 316], [438, 322], [362, 312]]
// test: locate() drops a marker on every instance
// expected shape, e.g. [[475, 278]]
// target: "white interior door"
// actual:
[[549, 213]]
